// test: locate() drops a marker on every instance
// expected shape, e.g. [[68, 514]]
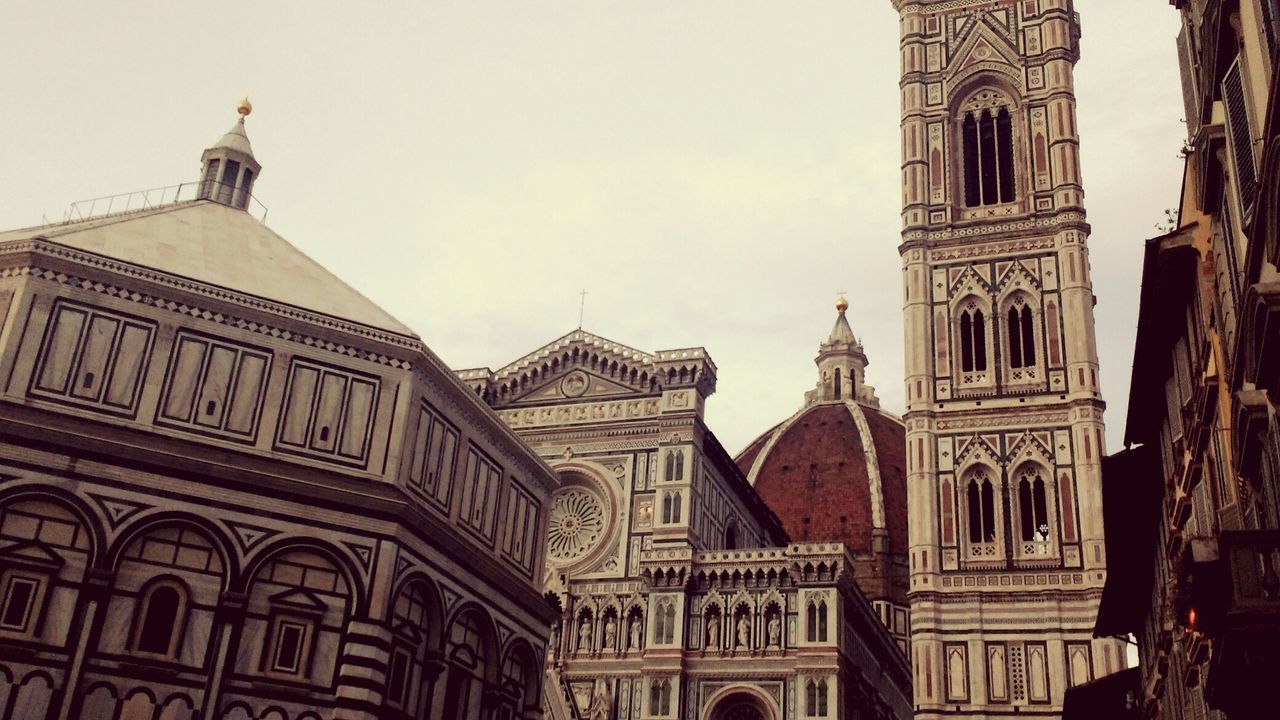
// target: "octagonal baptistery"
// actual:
[[835, 472]]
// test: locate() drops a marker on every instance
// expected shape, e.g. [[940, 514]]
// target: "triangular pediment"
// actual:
[[1031, 446], [299, 599], [1017, 274], [31, 553], [575, 385], [972, 278], [576, 366], [983, 44]]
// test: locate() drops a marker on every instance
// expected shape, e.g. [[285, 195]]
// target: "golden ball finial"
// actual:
[[842, 304], [244, 108]]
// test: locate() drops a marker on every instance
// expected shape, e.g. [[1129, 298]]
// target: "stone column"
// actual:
[[362, 671], [228, 622], [94, 593]]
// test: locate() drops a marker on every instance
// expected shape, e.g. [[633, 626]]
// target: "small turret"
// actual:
[[842, 365], [229, 166]]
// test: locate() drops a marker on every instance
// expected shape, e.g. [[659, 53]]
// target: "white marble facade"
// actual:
[[680, 595], [1004, 417]]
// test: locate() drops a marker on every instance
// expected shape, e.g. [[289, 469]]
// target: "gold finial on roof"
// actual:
[[244, 108], [842, 304]]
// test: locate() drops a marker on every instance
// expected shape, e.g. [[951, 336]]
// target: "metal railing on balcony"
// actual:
[[159, 197]]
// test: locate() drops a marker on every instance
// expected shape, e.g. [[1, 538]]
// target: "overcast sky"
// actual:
[[710, 172]]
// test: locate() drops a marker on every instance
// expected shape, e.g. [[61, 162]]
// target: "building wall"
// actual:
[[1001, 364], [1211, 406], [214, 505]]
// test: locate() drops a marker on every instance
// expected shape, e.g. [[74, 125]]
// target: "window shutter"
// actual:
[[1190, 94], [1240, 136]]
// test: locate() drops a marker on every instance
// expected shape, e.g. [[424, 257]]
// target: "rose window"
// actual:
[[576, 525]]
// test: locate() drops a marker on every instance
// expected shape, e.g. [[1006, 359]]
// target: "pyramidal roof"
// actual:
[[219, 245], [236, 139]]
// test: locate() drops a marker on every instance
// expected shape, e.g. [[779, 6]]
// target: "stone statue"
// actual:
[[713, 631], [610, 630], [775, 631], [584, 635], [601, 703], [744, 632], [635, 633]]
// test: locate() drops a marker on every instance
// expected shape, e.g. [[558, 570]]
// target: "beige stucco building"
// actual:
[[1004, 409], [681, 596], [232, 487]]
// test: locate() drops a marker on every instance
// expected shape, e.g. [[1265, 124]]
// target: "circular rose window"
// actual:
[[576, 525]]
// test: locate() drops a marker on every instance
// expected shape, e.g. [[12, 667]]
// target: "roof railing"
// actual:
[[159, 197]]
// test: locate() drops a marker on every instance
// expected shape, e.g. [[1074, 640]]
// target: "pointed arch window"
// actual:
[[671, 508], [1022, 339], [1033, 507], [815, 698], [837, 383], [987, 137], [973, 339], [816, 616], [673, 467], [982, 510], [660, 697]]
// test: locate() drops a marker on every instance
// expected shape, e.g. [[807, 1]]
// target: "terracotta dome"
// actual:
[[835, 471]]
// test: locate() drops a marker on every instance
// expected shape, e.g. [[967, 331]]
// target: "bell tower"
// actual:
[[1004, 412]]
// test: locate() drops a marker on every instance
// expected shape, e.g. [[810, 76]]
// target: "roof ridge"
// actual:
[[568, 340]]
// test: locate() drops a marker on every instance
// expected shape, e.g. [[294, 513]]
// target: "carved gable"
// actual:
[[574, 384]]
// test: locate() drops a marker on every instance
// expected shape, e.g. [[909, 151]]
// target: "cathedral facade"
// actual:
[[232, 488], [680, 593], [1004, 411]]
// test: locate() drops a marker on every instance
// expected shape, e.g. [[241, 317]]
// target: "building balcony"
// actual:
[[1244, 621]]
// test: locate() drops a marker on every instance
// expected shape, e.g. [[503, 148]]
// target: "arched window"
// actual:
[[1022, 339], [407, 687], [158, 620], [837, 382], [1033, 506], [675, 507], [666, 508], [679, 466], [817, 621], [660, 697], [669, 469], [973, 339], [982, 510], [731, 537], [467, 653], [664, 624], [811, 698], [987, 136]]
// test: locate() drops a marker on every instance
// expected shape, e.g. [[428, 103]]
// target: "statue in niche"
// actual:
[[775, 630], [713, 631], [635, 633], [744, 632], [584, 635], [610, 629]]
